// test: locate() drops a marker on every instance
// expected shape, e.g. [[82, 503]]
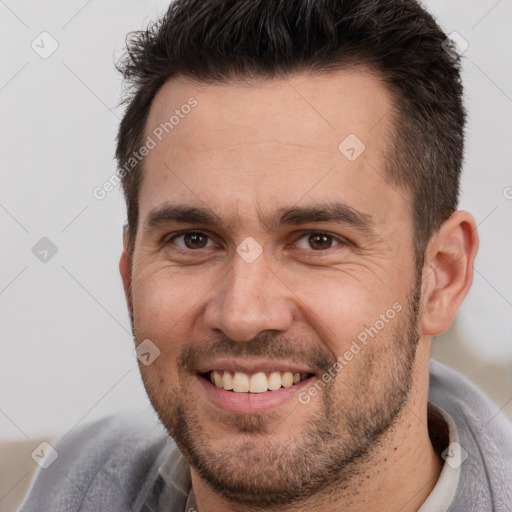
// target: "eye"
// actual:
[[191, 240], [317, 241]]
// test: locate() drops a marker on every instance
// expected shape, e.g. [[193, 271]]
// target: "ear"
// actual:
[[448, 272], [125, 268]]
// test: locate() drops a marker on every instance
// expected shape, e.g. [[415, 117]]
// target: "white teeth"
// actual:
[[227, 381], [287, 379], [217, 379], [240, 382], [258, 383], [274, 380]]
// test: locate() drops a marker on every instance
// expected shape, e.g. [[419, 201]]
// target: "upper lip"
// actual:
[[252, 366]]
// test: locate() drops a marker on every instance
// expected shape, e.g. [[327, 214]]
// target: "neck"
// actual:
[[398, 474]]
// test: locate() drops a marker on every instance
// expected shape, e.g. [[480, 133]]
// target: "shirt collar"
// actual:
[[441, 497]]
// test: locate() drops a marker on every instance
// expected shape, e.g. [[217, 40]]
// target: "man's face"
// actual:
[[325, 288]]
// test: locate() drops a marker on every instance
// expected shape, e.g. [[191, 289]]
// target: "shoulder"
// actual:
[[485, 435], [461, 398], [106, 465]]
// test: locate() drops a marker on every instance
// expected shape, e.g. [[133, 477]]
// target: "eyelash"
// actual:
[[340, 240]]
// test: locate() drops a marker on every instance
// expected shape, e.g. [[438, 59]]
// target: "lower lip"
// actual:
[[252, 402]]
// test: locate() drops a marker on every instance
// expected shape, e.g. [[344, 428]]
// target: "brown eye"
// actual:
[[192, 240], [319, 241]]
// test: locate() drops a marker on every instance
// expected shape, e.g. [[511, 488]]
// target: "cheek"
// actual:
[[162, 297], [341, 308], [166, 305], [158, 307]]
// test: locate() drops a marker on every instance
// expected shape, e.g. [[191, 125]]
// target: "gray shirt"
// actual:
[[121, 464]]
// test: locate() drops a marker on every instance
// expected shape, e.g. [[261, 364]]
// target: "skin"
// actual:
[[245, 151]]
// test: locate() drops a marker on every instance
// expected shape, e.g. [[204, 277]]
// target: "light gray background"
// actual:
[[66, 349]]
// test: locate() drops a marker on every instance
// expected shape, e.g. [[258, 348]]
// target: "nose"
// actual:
[[250, 299]]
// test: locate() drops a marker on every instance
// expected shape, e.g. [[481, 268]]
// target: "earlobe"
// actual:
[[448, 273]]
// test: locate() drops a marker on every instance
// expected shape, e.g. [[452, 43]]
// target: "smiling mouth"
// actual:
[[260, 382]]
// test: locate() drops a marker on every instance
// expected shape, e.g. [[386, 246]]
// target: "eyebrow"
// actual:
[[337, 212]]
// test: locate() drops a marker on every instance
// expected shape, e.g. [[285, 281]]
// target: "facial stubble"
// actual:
[[249, 466]]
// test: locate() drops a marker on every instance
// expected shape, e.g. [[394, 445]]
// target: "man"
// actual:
[[291, 173]]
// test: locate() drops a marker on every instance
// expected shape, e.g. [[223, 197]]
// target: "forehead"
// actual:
[[242, 148]]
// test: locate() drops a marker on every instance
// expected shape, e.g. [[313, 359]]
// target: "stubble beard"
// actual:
[[322, 454]]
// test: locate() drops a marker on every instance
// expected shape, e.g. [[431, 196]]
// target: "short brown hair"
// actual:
[[220, 40]]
